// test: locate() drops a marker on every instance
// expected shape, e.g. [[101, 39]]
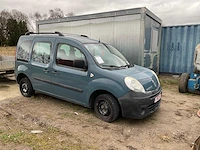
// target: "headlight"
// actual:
[[134, 84], [156, 76]]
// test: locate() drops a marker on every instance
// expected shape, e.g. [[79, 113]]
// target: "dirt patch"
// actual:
[[8, 88], [67, 126]]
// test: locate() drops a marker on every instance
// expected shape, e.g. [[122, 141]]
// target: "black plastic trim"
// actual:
[[61, 85]]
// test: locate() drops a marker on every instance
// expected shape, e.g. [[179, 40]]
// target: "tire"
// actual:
[[195, 70], [106, 107], [26, 88], [183, 83]]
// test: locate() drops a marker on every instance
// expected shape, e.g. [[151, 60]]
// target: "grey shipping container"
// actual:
[[177, 48], [134, 32]]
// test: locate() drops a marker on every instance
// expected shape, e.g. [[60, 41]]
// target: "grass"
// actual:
[[44, 141], [14, 137], [167, 81]]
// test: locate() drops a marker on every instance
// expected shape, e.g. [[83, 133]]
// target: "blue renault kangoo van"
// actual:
[[86, 72]]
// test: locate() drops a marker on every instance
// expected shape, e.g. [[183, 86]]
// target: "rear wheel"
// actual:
[[183, 83], [26, 88], [106, 107]]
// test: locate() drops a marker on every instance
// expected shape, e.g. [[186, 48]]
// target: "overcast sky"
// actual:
[[171, 12]]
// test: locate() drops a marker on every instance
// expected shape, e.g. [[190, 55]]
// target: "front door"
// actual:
[[69, 81]]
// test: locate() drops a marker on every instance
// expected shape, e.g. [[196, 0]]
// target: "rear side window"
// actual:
[[23, 52], [41, 52]]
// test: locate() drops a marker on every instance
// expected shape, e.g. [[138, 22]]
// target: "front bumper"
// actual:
[[139, 105]]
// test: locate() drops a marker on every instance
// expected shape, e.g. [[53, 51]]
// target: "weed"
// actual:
[[1, 131], [14, 137], [168, 81], [48, 139]]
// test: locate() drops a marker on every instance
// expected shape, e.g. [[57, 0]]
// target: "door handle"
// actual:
[[55, 72], [46, 70]]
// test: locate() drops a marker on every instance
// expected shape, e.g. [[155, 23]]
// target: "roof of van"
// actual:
[[80, 38]]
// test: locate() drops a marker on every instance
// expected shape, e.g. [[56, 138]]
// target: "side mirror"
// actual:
[[79, 63]]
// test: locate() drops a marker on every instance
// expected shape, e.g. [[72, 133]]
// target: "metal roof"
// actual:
[[142, 10]]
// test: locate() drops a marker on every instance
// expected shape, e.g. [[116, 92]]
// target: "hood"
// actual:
[[143, 75]]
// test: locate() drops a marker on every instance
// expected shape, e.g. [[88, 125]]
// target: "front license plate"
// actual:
[[157, 98]]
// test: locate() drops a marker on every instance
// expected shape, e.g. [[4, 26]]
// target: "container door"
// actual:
[[151, 45], [154, 48]]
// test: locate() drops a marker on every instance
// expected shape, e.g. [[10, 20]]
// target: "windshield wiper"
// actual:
[[111, 66], [127, 65]]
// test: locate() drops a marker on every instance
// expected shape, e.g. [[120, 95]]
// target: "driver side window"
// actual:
[[69, 56]]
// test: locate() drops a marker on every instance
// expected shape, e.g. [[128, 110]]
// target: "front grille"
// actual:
[[152, 107]]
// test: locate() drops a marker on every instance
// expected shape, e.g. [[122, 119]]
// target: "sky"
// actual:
[[171, 12]]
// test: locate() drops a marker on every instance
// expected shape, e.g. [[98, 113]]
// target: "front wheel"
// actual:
[[106, 107], [26, 88]]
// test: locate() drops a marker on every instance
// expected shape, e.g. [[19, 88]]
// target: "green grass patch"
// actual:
[[47, 140], [169, 81], [14, 137]]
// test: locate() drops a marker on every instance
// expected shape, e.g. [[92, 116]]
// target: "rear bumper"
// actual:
[[139, 105]]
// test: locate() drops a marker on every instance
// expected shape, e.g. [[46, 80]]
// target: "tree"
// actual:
[[4, 16], [71, 14], [12, 25], [15, 30], [36, 16], [55, 13], [45, 16], [19, 16]]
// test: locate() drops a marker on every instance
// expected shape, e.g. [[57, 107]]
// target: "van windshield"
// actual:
[[107, 56]]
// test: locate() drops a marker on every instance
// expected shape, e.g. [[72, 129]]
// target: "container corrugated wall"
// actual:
[[177, 48]]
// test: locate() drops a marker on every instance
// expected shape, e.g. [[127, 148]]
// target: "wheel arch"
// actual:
[[20, 76], [96, 93]]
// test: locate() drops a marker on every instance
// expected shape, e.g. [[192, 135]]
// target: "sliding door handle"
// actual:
[[55, 72], [46, 70]]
